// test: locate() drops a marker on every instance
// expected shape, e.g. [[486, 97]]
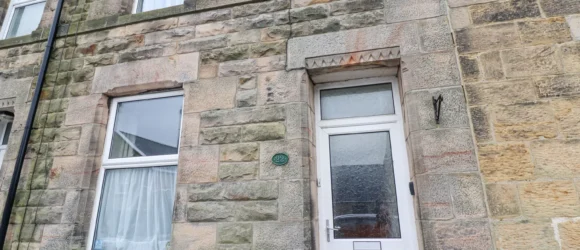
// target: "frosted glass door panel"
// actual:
[[370, 100]]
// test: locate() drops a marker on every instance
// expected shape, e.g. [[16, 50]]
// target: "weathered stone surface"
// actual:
[[142, 53], [505, 162], [250, 66], [557, 158], [146, 27], [469, 68], [459, 17], [525, 235], [551, 30], [238, 171], [210, 4], [232, 211], [549, 199], [347, 7], [198, 164], [205, 17], [220, 135], [69, 172], [294, 168], [308, 13], [180, 203], [209, 94], [244, 37], [190, 129], [263, 132], [467, 194], [259, 8], [497, 36], [503, 200], [268, 49], [491, 65], [235, 233], [180, 68], [168, 36], [242, 116], [280, 87], [460, 234], [204, 43], [459, 3], [530, 61], [292, 202], [230, 53], [240, 191], [315, 27], [481, 124], [399, 11], [567, 112], [433, 192], [525, 121], [521, 91], [419, 109], [279, 235], [569, 232], [189, 236], [48, 215], [247, 98], [574, 23], [454, 153], [435, 35], [559, 86], [275, 33], [570, 53], [504, 11], [560, 7], [429, 71], [86, 109], [239, 152]]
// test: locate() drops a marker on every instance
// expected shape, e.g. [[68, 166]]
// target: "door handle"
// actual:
[[328, 229]]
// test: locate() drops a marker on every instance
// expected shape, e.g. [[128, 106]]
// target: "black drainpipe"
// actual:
[[28, 128]]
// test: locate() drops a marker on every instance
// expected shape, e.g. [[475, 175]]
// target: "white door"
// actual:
[[364, 197]]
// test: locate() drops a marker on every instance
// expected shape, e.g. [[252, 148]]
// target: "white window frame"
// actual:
[[381, 123], [3, 126], [136, 3], [131, 162], [8, 18]]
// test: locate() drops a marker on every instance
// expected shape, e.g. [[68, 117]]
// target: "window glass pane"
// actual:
[[25, 19], [357, 101], [147, 5], [364, 197], [147, 127], [6, 134], [136, 209]]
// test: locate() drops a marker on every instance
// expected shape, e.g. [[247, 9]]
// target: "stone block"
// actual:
[[525, 121], [469, 68], [309, 13], [419, 109], [357, 20], [146, 27], [433, 192], [180, 68], [270, 113], [229, 53], [235, 233], [205, 17], [503, 200], [560, 7], [468, 196], [244, 37], [276, 33], [567, 112], [460, 234], [531, 61], [279, 235], [56, 236], [281, 87], [169, 36], [262, 132], [435, 35], [545, 31], [496, 36], [347, 7], [210, 4], [238, 171], [233, 191], [220, 135], [48, 215], [574, 24], [430, 71], [87, 109], [209, 94], [232, 211], [564, 85], [492, 65], [459, 18], [70, 172], [480, 119], [297, 121], [505, 162], [504, 11], [316, 27], [92, 140], [204, 43], [267, 49], [293, 170], [252, 66], [557, 158], [568, 232], [570, 53], [190, 236], [198, 164], [549, 199], [399, 11], [525, 235], [190, 129], [239, 152], [259, 8], [142, 53], [503, 93], [180, 204], [454, 151], [247, 98], [292, 201]]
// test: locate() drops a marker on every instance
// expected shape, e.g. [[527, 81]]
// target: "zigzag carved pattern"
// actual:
[[353, 58]]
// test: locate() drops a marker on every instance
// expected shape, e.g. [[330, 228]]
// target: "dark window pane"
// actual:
[[7, 134]]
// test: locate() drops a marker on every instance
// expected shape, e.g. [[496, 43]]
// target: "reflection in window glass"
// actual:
[[361, 101], [136, 209], [147, 5], [25, 19], [6, 134], [147, 128], [364, 197]]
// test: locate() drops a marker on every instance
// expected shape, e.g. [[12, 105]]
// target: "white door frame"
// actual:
[[394, 125]]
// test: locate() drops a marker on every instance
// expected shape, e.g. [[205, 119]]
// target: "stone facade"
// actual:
[[500, 171]]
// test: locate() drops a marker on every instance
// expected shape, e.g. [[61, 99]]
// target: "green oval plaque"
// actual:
[[280, 159]]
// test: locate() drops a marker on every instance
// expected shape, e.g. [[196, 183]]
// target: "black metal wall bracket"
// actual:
[[437, 107], [412, 188]]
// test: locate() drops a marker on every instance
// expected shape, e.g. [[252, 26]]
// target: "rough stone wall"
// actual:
[[520, 62]]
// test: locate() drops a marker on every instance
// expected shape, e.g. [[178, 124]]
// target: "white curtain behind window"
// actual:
[[136, 209], [158, 4]]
